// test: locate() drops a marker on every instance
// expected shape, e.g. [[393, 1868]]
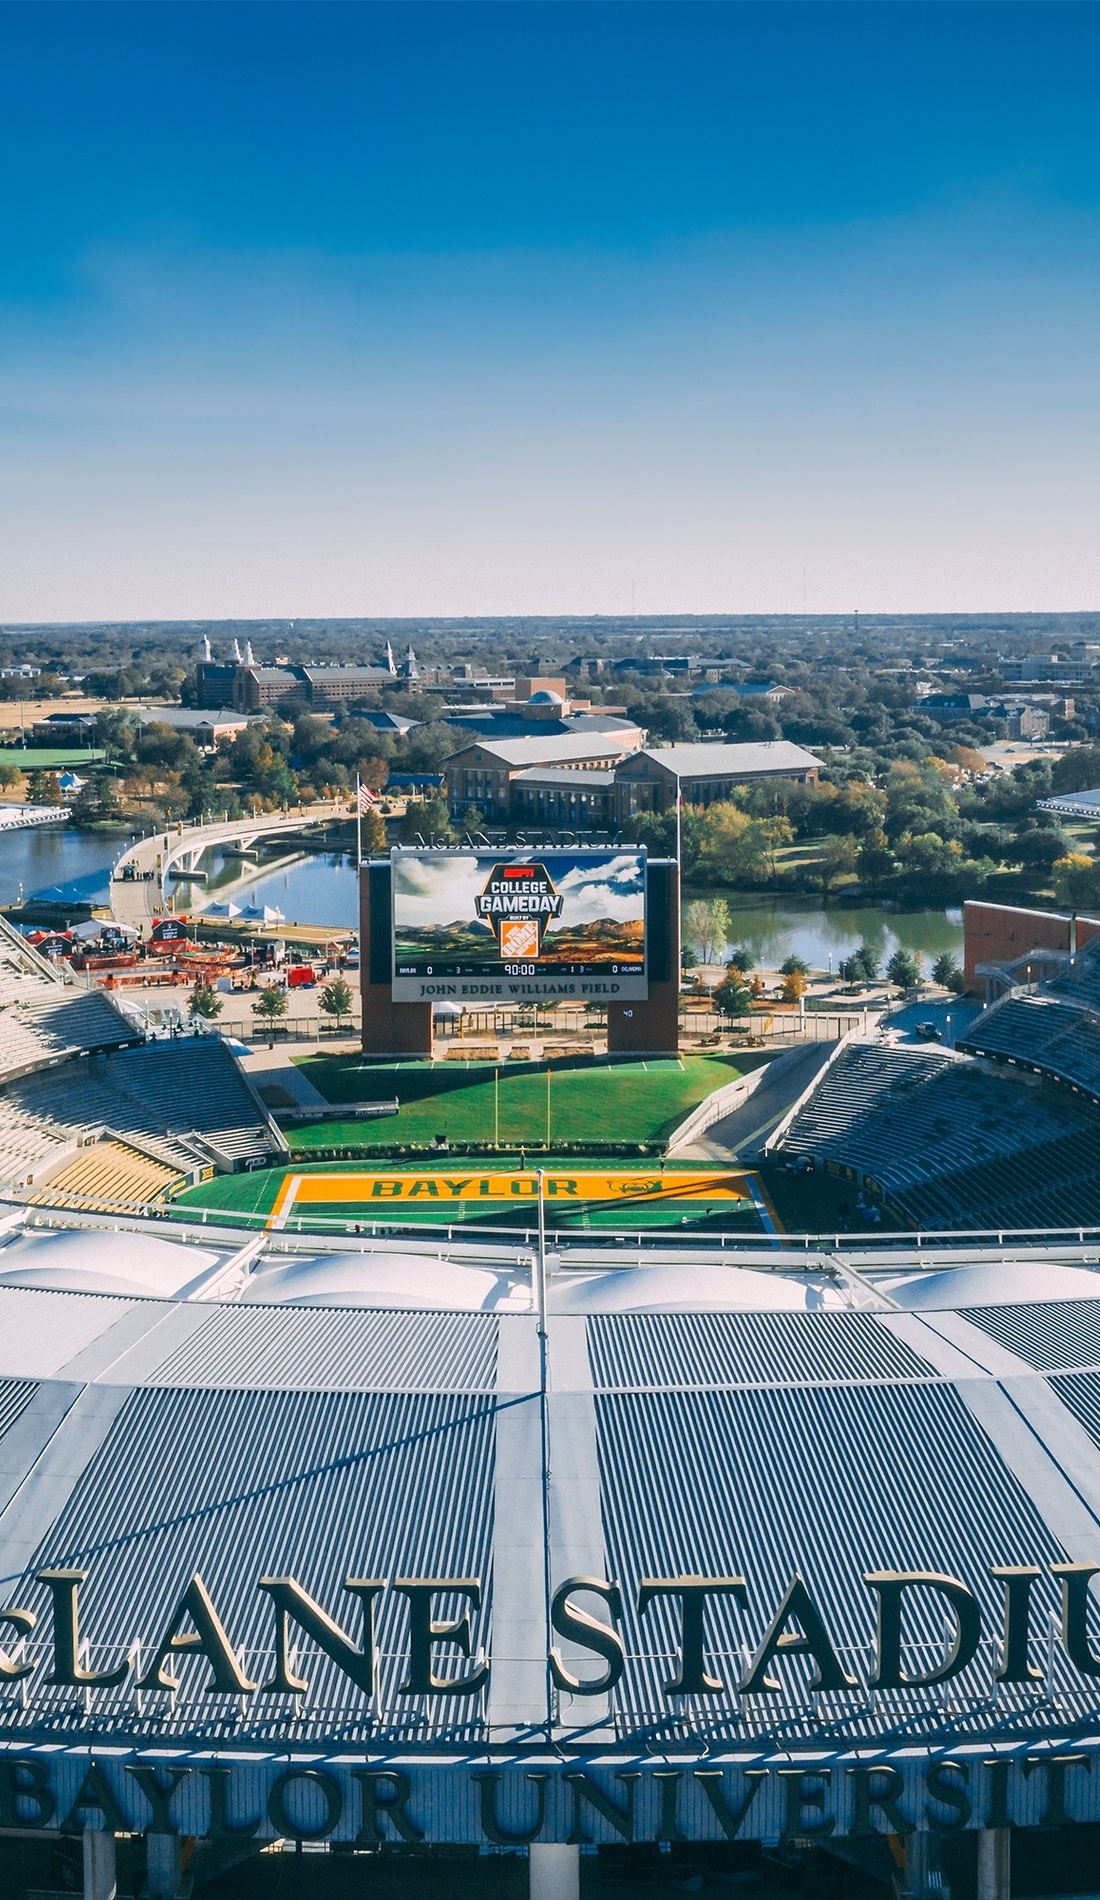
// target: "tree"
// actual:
[[1039, 847], [946, 972], [1078, 770], [733, 997], [428, 821], [928, 854], [44, 789], [904, 969], [741, 959], [335, 999], [838, 858], [707, 927], [860, 967], [876, 861], [204, 1003], [794, 966], [1076, 880], [271, 1003], [9, 775], [793, 987], [373, 833]]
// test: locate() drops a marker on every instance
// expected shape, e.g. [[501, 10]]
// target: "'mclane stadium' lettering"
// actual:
[[795, 1627]]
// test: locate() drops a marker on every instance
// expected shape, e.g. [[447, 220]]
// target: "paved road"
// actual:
[[743, 1131]]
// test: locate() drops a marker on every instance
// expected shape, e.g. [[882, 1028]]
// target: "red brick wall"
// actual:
[[999, 933]]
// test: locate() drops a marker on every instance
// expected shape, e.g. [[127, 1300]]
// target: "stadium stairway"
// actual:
[[187, 1101]]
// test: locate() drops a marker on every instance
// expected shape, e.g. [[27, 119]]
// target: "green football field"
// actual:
[[582, 1196], [628, 1103], [622, 1102]]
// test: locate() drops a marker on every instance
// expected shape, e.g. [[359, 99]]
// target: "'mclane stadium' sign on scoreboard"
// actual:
[[505, 926]]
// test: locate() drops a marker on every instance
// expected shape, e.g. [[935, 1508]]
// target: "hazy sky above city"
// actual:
[[534, 308]]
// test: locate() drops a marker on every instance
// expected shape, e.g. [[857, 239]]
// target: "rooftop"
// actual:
[[554, 746], [718, 760]]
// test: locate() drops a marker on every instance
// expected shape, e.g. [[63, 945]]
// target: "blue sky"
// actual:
[[473, 309]]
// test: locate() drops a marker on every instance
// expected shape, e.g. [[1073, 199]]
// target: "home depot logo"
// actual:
[[518, 902]]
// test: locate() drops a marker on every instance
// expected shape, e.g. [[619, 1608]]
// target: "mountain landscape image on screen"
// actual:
[[604, 941]]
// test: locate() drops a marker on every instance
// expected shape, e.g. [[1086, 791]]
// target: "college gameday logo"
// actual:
[[518, 903]]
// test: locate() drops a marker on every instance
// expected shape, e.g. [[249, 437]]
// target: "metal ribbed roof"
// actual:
[[826, 1481], [15, 1396], [1054, 1334], [41, 1332], [1080, 1392], [690, 1349], [349, 1347], [239, 1485]]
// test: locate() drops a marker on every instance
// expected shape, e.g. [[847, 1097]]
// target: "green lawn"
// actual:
[[46, 758], [236, 1193], [621, 1102]]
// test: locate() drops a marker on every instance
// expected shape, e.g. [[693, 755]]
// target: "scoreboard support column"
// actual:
[[389, 1028], [652, 1028]]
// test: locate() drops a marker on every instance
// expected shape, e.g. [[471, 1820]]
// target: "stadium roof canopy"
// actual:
[[216, 1500]]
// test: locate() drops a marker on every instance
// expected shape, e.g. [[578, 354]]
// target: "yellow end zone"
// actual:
[[687, 1184]]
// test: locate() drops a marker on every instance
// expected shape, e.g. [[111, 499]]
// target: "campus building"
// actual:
[[483, 776], [536, 781], [248, 686]]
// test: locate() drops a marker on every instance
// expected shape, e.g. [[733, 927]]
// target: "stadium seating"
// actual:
[[1081, 981], [28, 1144], [948, 1144], [186, 1100], [106, 1175], [43, 1019], [1045, 1032]]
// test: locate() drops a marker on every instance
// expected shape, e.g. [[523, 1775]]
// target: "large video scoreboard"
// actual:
[[516, 926]]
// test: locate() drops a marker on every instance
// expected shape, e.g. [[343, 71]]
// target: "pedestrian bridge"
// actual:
[[140, 877]]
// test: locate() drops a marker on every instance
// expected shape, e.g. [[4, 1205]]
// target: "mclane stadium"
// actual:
[[384, 1510]]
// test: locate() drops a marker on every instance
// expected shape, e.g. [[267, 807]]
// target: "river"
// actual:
[[775, 928], [321, 890]]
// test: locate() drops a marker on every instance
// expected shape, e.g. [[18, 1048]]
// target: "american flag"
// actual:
[[367, 798]]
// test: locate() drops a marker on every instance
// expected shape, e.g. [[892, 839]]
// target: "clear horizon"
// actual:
[[476, 311]]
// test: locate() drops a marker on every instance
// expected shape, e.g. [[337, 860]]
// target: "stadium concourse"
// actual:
[[532, 1562]]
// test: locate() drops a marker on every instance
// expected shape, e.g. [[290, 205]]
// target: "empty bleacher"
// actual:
[[106, 1175], [185, 1101], [948, 1144], [43, 1020], [1045, 1030], [28, 1144], [23, 973]]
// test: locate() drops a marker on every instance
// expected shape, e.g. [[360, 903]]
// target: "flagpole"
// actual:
[[358, 827]]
